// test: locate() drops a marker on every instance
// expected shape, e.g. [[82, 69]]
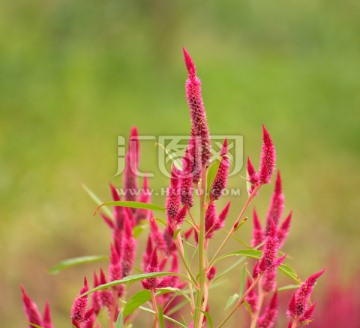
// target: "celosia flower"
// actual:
[[147, 253], [308, 315], [267, 159], [252, 297], [195, 155], [211, 273], [258, 233], [115, 270], [276, 204], [220, 180], [180, 217], [252, 175], [169, 240], [131, 167], [267, 320], [156, 236], [31, 310], [144, 197], [186, 182], [128, 250], [173, 195], [299, 303], [220, 222], [96, 296], [270, 250], [79, 307], [210, 219], [268, 281], [106, 295], [153, 266], [197, 110], [47, 317], [283, 230]]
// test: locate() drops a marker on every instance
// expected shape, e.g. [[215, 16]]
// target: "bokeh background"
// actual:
[[74, 75]]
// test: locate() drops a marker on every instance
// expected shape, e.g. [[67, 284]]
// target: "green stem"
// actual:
[[198, 315], [240, 301], [154, 304]]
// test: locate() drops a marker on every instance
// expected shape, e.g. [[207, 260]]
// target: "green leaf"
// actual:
[[242, 280], [233, 266], [248, 307], [213, 168], [134, 278], [76, 261], [136, 300], [97, 200], [130, 204], [252, 253], [173, 290], [289, 287], [208, 317], [34, 325], [290, 272], [231, 300], [176, 234], [120, 321], [161, 317], [137, 231]]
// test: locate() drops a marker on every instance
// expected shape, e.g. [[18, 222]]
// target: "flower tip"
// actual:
[[189, 63], [278, 183]]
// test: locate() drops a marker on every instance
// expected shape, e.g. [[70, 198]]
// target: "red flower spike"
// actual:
[[115, 270], [211, 274], [258, 233], [195, 154], [47, 316], [153, 266], [156, 236], [79, 306], [96, 296], [180, 217], [108, 221], [308, 315], [172, 281], [268, 281], [197, 110], [283, 230], [302, 296], [267, 320], [210, 219], [173, 195], [186, 182], [220, 222], [252, 175], [252, 297], [31, 310], [118, 211], [147, 254], [276, 205], [128, 249], [169, 240], [144, 197], [267, 159], [188, 233], [220, 180], [270, 250], [106, 295], [131, 167]]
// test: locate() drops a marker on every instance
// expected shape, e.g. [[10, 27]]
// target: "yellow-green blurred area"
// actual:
[[75, 75]]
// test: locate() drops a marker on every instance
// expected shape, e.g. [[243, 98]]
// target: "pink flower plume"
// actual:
[[267, 159], [276, 204], [31, 310], [267, 320], [258, 233]]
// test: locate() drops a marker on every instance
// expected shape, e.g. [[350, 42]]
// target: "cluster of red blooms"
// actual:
[[164, 246]]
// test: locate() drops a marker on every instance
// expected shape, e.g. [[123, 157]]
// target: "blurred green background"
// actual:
[[76, 74]]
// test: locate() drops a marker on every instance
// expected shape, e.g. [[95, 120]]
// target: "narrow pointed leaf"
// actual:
[[231, 300], [161, 317], [242, 280], [120, 320], [213, 168], [288, 287], [136, 300], [76, 261], [97, 200]]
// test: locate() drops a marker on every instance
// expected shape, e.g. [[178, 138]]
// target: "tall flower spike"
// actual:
[[115, 270], [267, 320], [210, 219], [307, 316], [267, 159], [96, 296], [129, 249], [131, 167], [153, 266], [186, 182], [31, 310], [258, 233], [252, 297], [79, 306], [173, 195], [276, 207], [252, 175], [156, 236], [268, 282], [47, 317], [283, 230], [195, 153], [299, 304], [221, 176], [220, 222], [270, 250], [197, 110]]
